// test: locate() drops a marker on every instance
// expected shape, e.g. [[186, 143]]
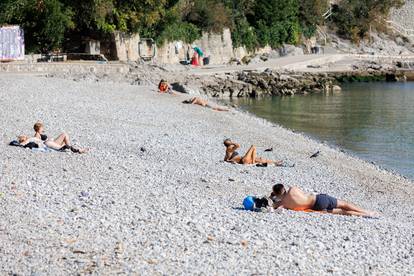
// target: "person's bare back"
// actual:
[[204, 103], [200, 101], [296, 199]]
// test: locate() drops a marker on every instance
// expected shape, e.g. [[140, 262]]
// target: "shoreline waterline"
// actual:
[[358, 120]]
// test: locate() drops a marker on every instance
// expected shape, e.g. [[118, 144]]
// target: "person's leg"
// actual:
[[63, 142], [351, 208], [260, 160], [63, 139], [53, 145], [250, 156], [75, 150], [220, 109], [347, 213]]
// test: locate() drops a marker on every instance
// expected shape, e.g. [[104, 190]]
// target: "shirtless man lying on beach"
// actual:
[[232, 156], [204, 103], [295, 199]]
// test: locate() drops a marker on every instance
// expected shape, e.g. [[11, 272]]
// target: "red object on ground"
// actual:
[[194, 61]]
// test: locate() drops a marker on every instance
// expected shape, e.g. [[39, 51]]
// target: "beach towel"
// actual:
[[45, 149], [32, 146]]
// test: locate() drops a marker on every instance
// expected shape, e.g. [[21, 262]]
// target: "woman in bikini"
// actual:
[[61, 143], [232, 156], [165, 87]]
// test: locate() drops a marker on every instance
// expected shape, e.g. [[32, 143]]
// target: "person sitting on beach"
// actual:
[[295, 199], [232, 156], [61, 143], [204, 103], [164, 87]]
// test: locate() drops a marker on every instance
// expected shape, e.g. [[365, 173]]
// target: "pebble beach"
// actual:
[[153, 196]]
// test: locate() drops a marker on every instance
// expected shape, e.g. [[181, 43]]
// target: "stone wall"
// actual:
[[43, 68], [93, 47], [173, 52], [126, 46], [219, 47]]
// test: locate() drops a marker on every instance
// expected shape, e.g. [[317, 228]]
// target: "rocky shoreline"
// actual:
[[284, 83], [250, 83]]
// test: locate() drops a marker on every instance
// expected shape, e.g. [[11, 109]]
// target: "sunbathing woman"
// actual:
[[165, 87], [62, 142], [249, 158], [204, 103]]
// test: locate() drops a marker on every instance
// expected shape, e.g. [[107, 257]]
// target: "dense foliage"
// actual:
[[44, 22], [354, 18], [52, 24]]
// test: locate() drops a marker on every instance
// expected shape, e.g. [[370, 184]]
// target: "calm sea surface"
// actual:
[[374, 121]]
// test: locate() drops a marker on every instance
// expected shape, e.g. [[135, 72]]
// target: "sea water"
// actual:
[[374, 121]]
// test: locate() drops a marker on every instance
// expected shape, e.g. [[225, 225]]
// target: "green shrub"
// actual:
[[244, 35], [311, 15], [209, 15], [254, 23], [186, 32], [354, 19], [276, 22]]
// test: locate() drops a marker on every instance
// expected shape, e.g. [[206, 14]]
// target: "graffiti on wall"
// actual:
[[11, 43]]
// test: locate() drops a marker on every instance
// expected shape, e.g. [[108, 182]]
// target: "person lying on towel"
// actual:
[[204, 103], [232, 156], [295, 199]]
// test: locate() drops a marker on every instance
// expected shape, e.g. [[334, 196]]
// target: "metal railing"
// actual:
[[328, 13]]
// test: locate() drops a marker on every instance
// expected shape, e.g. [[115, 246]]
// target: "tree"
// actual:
[[92, 16], [208, 15], [311, 15], [276, 22], [44, 22], [354, 18], [49, 24]]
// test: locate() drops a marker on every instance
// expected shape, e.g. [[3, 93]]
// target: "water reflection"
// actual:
[[374, 120]]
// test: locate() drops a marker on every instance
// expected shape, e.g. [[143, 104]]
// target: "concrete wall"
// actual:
[[126, 46], [173, 52], [93, 47], [219, 47], [57, 67], [60, 67]]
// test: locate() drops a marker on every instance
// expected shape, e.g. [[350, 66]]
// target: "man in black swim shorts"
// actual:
[[325, 203], [295, 199]]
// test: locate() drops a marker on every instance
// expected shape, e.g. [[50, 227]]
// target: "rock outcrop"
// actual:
[[254, 84]]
